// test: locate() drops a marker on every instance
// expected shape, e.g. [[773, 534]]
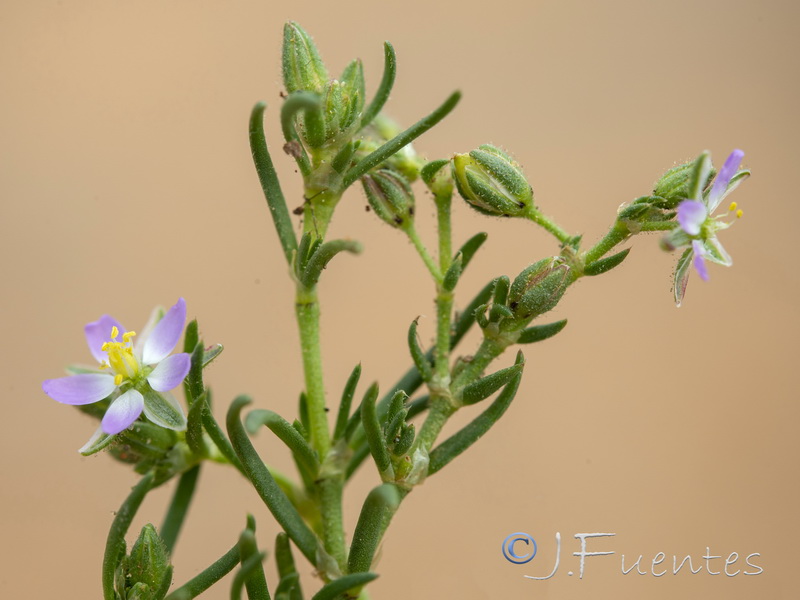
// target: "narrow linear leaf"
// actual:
[[294, 103], [256, 582], [347, 401], [463, 439], [385, 87], [341, 162], [372, 430], [486, 386], [178, 507], [218, 437], [194, 379], [286, 433], [453, 273], [194, 427], [421, 361], [376, 513], [289, 583], [249, 567], [209, 354], [541, 332], [191, 336], [470, 247], [208, 577], [115, 543], [606, 264], [269, 491], [337, 587], [324, 254], [270, 184], [391, 147]]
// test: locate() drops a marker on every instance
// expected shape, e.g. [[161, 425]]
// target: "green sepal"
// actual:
[[379, 506], [191, 336], [353, 91], [421, 361], [604, 265], [347, 400], [194, 428], [463, 439], [541, 332], [96, 443], [372, 430], [505, 170], [702, 170], [453, 273], [430, 170], [286, 433], [193, 384], [163, 411], [486, 386], [303, 68], [336, 588], [681, 276], [470, 247], [275, 499], [390, 196], [324, 254], [385, 87]]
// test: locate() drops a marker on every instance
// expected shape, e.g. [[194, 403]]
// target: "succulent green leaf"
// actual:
[[344, 584], [286, 433], [385, 87], [347, 400], [376, 513], [372, 430], [541, 332], [606, 264], [453, 273], [486, 386], [323, 255], [470, 247], [421, 361]]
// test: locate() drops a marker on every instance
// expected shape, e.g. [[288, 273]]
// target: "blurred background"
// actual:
[[126, 182]]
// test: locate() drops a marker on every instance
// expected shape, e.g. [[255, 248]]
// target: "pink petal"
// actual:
[[123, 412], [80, 389], [691, 216], [723, 178], [98, 333], [165, 334], [699, 262], [170, 372]]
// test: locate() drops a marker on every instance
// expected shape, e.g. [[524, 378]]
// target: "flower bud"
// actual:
[[676, 185], [538, 288], [492, 182], [143, 573], [390, 196], [303, 69]]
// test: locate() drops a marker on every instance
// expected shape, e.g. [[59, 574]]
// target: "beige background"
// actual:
[[126, 181]]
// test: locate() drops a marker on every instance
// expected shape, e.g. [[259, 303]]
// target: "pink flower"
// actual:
[[138, 376]]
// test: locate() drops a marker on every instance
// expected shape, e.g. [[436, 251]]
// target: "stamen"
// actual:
[[739, 213], [118, 378], [114, 332], [105, 346], [126, 337], [105, 365], [732, 207]]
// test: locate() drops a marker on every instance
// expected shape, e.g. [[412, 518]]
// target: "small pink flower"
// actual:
[[138, 376]]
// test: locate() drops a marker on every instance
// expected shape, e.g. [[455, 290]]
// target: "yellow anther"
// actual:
[[105, 365], [114, 332], [118, 378], [105, 346], [126, 337], [732, 207], [739, 213]]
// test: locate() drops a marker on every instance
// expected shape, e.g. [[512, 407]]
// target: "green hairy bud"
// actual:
[[146, 573], [683, 182], [538, 288], [492, 182], [390, 196], [303, 69], [382, 129]]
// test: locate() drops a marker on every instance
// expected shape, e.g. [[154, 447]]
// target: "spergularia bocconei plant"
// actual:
[[339, 137]]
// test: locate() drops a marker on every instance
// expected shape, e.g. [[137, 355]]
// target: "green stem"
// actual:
[[444, 298], [308, 316], [618, 233], [424, 254], [330, 499], [658, 226], [548, 224], [319, 210], [208, 577], [176, 514]]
